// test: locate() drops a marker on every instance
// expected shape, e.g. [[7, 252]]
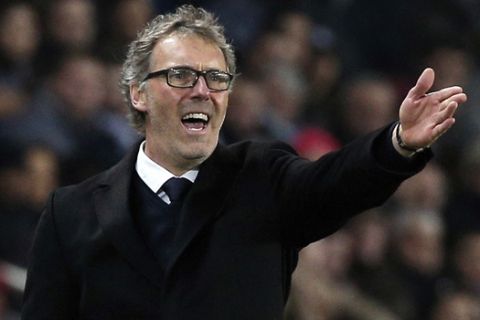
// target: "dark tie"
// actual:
[[176, 188]]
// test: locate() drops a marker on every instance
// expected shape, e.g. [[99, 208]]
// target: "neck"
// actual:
[[176, 166]]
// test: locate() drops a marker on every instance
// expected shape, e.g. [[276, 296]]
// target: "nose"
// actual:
[[200, 89]]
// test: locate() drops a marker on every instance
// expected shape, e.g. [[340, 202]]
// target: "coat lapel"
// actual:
[[206, 199], [204, 202], [113, 212]]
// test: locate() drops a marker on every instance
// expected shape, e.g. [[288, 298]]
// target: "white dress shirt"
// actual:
[[154, 175]]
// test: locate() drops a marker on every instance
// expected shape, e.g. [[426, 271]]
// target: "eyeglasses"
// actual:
[[184, 77]]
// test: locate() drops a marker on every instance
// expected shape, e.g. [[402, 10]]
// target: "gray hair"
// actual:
[[187, 19]]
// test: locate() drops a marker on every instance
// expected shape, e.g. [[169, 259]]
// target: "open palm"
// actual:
[[426, 116]]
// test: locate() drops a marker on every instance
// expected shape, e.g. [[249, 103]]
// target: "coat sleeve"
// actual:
[[317, 198], [49, 292]]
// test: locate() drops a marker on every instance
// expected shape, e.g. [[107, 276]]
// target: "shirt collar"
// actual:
[[153, 174]]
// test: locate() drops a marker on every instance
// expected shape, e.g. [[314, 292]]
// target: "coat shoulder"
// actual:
[[257, 150], [84, 190]]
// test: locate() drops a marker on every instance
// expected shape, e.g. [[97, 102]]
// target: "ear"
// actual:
[[138, 98]]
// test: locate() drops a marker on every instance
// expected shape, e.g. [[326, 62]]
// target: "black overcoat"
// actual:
[[252, 206]]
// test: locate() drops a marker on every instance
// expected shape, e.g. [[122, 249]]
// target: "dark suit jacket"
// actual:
[[251, 207]]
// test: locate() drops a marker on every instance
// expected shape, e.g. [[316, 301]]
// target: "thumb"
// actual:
[[424, 83]]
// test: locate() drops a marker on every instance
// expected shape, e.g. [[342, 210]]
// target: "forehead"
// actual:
[[187, 50]]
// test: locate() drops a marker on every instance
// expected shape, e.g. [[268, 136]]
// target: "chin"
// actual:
[[198, 153]]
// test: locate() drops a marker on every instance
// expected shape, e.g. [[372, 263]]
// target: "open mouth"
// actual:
[[195, 121]]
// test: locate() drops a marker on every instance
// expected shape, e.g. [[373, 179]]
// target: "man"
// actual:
[[122, 246]]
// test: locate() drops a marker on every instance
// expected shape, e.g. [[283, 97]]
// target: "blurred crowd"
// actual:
[[315, 74]]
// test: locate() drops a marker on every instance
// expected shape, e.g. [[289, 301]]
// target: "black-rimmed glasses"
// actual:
[[184, 77]]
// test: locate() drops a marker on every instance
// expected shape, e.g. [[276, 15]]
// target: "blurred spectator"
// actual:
[[63, 116], [19, 40], [286, 44], [276, 49], [247, 109], [321, 288], [73, 24], [279, 59], [370, 270], [320, 273], [121, 20], [467, 263], [285, 89], [312, 143], [426, 191], [457, 305], [417, 261], [370, 101], [296, 28], [12, 101], [393, 36], [112, 118], [71, 28], [323, 96], [370, 232], [244, 21], [28, 173], [455, 65], [461, 212]]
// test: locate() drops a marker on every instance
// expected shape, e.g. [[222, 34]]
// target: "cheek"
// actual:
[[222, 108], [160, 105]]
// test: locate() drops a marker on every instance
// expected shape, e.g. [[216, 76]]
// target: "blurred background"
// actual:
[[315, 74]]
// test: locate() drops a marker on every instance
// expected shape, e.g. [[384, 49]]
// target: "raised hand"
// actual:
[[424, 117]]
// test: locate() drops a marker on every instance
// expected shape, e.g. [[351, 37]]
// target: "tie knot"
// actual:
[[176, 188]]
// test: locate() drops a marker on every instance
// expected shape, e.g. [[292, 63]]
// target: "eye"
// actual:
[[181, 76], [218, 76]]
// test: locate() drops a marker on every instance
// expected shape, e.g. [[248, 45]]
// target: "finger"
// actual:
[[424, 83], [445, 120], [459, 98], [447, 112], [447, 93], [443, 127]]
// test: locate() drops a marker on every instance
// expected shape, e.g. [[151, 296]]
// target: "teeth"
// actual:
[[196, 116]]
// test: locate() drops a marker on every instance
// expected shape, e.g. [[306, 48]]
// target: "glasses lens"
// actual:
[[182, 78], [218, 80]]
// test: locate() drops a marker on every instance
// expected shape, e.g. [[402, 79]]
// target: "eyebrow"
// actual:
[[190, 67]]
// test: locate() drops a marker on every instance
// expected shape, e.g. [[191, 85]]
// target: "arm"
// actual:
[[316, 198], [49, 292]]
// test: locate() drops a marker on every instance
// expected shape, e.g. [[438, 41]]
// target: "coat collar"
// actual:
[[202, 205], [112, 205]]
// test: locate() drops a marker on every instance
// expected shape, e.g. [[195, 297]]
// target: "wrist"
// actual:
[[401, 147]]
